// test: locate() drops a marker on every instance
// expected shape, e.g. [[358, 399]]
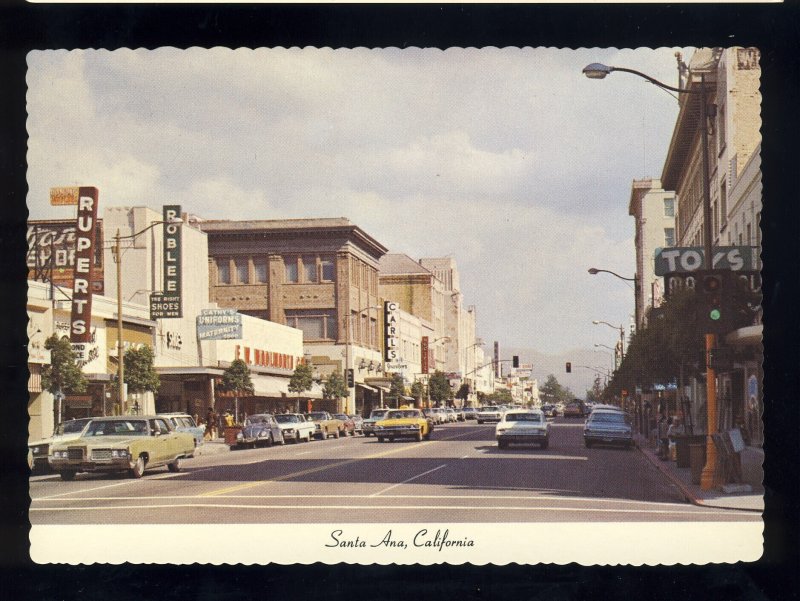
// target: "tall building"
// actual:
[[653, 210], [316, 275], [732, 77], [420, 293]]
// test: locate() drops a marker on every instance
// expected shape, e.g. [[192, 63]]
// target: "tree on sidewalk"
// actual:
[[439, 388], [335, 387], [63, 375], [236, 379], [397, 389], [140, 371]]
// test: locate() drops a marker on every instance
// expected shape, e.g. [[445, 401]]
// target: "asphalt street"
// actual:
[[459, 475]]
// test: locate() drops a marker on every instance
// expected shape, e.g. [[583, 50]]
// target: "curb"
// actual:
[[687, 494]]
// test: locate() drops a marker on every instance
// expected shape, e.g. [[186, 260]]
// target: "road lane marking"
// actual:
[[314, 470], [520, 456], [669, 512], [409, 480]]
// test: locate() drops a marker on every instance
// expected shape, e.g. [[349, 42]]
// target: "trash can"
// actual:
[[697, 460], [681, 451], [230, 434]]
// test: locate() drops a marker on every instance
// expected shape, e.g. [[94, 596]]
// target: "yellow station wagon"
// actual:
[[122, 443]]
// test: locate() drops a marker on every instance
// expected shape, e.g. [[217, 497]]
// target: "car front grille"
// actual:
[[75, 453], [101, 454]]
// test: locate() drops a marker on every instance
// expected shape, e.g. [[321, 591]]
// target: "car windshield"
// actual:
[[287, 419], [256, 419], [491, 409], [317, 415], [523, 417], [611, 417], [402, 414], [73, 426], [126, 427], [379, 413], [341, 416]]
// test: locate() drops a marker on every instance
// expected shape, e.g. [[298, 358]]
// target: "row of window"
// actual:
[[300, 269]]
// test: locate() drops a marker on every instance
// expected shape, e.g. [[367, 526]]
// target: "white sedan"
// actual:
[[523, 426]]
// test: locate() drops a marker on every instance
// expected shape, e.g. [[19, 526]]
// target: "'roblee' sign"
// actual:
[[81, 315], [172, 260]]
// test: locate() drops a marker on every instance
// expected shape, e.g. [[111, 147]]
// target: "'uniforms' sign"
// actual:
[[219, 324]]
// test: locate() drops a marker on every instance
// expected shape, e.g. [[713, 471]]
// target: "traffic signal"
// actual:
[[515, 361], [712, 308], [569, 367], [351, 378]]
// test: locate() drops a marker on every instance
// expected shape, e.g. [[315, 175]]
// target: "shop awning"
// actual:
[[750, 335], [366, 387], [269, 385], [383, 388], [407, 398]]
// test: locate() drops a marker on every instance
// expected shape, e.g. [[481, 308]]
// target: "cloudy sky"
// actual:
[[508, 160]]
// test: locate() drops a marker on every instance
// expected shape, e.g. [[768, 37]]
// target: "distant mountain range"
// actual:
[[579, 381]]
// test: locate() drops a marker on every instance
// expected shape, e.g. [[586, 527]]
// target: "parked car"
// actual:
[[450, 413], [124, 443], [459, 414], [608, 426], [183, 422], [375, 416], [294, 427], [441, 415], [347, 427], [470, 413], [260, 429], [358, 424], [550, 410], [523, 426], [490, 413], [403, 423], [68, 430], [326, 425]]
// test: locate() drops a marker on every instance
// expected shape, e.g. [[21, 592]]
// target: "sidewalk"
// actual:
[[212, 447], [682, 478]]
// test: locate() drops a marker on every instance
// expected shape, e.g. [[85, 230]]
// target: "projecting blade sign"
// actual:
[[219, 324]]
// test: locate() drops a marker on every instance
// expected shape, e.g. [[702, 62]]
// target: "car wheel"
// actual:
[[176, 465], [67, 475], [503, 444], [282, 440], [138, 468], [418, 435], [337, 434], [480, 421], [545, 444], [588, 444], [391, 439], [380, 438], [427, 435]]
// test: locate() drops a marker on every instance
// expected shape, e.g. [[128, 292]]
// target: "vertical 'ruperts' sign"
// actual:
[[81, 316]]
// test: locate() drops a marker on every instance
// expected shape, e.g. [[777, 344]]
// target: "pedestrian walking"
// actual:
[[664, 424], [211, 422]]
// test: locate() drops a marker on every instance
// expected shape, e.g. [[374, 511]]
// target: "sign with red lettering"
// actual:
[[81, 316]]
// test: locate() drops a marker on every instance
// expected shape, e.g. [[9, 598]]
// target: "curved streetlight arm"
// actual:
[[595, 271], [599, 71]]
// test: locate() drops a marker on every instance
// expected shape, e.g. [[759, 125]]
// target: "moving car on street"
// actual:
[[326, 425], [358, 424], [119, 444], [608, 426], [490, 413], [523, 426], [375, 416], [69, 430], [575, 409], [260, 429], [403, 423], [294, 427]]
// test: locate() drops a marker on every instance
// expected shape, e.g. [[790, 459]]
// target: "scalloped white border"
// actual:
[[611, 543]]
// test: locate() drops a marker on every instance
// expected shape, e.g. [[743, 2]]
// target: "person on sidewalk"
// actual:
[[663, 437], [211, 422]]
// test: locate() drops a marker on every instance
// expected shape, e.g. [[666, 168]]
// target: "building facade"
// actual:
[[653, 210], [317, 275]]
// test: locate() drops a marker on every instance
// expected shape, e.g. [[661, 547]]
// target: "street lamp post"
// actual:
[[621, 336], [599, 71], [634, 279], [117, 252]]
